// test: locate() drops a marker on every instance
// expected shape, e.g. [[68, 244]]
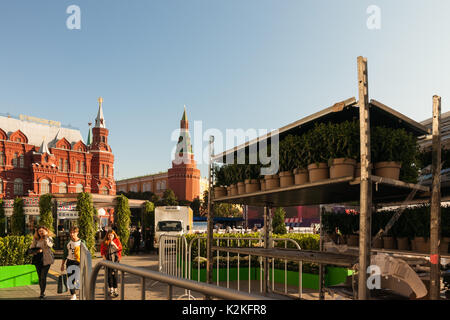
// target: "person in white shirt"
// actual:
[[71, 257]]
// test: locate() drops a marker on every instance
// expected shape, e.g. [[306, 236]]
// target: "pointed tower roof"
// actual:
[[184, 118], [44, 147], [100, 120], [89, 138]]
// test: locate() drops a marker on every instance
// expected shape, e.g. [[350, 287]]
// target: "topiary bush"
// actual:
[[86, 220], [18, 218], [45, 211], [122, 220], [13, 250]]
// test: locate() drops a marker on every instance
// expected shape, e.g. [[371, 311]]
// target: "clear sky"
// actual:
[[234, 63]]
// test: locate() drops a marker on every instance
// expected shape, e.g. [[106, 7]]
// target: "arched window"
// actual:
[[62, 187], [79, 188], [107, 170], [22, 161], [82, 167], [66, 165], [45, 186], [1, 186], [163, 185], [18, 187], [78, 167], [104, 190], [60, 167], [15, 160], [158, 186], [2, 159]]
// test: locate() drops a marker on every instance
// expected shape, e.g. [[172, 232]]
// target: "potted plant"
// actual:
[[388, 238], [421, 221], [301, 175], [251, 173], [240, 178], [315, 141], [272, 181], [230, 172], [403, 231], [343, 148], [288, 153], [220, 182], [393, 149]]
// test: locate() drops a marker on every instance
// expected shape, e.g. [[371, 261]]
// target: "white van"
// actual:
[[172, 220]]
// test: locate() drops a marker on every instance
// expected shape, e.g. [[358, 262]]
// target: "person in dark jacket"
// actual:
[[111, 249]]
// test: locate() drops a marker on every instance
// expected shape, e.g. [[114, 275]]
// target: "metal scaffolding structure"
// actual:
[[368, 190]]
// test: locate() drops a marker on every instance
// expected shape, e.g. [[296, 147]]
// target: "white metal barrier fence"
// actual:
[[176, 258]]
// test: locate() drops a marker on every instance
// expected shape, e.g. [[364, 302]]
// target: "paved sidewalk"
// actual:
[[154, 290]]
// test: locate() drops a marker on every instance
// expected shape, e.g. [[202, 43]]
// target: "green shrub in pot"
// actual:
[[288, 153]]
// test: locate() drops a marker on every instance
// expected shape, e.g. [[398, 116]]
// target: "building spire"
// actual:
[[100, 120], [44, 148], [184, 118], [89, 138]]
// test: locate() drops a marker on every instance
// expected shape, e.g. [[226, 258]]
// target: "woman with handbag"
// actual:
[[111, 249], [42, 255]]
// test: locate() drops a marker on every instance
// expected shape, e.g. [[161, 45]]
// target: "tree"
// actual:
[[86, 220], [278, 224], [195, 206], [149, 223], [2, 219], [46, 212], [18, 218], [122, 221], [204, 203], [169, 198], [227, 210]]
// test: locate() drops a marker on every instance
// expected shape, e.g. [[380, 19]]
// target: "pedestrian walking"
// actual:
[[137, 240], [71, 257], [42, 249], [111, 249]]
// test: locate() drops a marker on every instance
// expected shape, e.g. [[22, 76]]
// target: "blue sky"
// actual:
[[235, 64]]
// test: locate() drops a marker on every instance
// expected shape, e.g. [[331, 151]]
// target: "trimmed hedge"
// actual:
[[305, 241], [13, 250]]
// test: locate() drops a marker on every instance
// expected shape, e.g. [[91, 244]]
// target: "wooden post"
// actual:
[[435, 223], [321, 267], [267, 244], [366, 183], [209, 256]]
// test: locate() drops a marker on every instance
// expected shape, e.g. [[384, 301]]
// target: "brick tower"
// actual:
[[184, 177], [102, 166]]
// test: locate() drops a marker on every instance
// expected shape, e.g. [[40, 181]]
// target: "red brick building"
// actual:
[[39, 156]]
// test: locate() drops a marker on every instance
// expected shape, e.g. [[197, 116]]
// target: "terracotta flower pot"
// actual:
[[229, 191], [353, 240], [389, 242], [286, 179], [262, 184], [342, 167], [422, 244], [220, 192], [272, 181], [318, 172], [234, 190], [403, 243], [387, 169], [241, 188], [378, 244], [251, 186], [301, 176]]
